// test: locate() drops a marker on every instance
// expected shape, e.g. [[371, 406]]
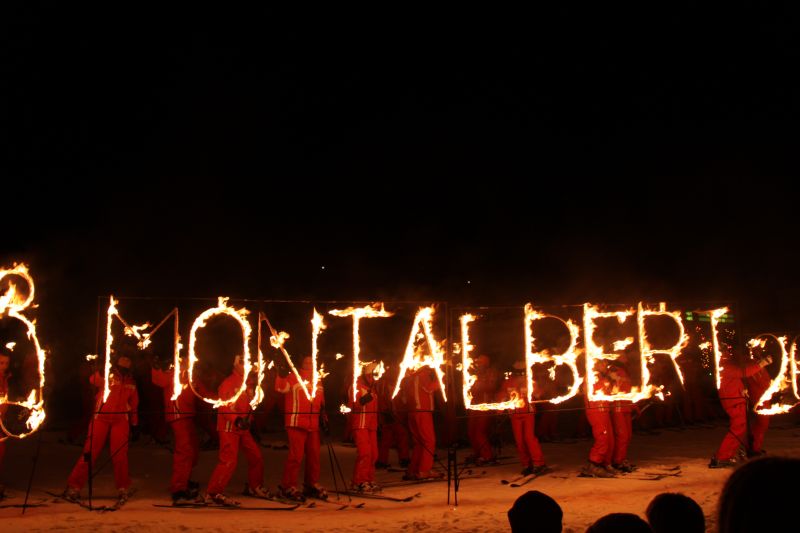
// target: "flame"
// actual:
[[10, 346], [277, 340], [469, 380], [339, 356], [13, 306], [647, 350], [91, 357], [619, 346], [704, 345], [368, 311], [344, 409], [783, 381], [714, 315], [569, 357], [240, 315], [412, 359], [595, 352], [317, 325]]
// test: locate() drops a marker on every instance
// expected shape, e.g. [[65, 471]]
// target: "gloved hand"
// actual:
[[364, 400], [242, 422], [135, 433]]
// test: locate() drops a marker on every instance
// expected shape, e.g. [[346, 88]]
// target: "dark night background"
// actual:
[[558, 156]]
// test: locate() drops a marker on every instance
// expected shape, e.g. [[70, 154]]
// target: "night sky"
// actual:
[[559, 156]]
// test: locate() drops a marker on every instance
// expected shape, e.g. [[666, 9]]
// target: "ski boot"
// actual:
[[315, 491]]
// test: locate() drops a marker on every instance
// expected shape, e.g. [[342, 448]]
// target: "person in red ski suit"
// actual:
[[757, 385], [621, 418], [5, 362], [483, 390], [233, 425], [733, 397], [392, 421], [114, 417], [598, 413], [420, 387], [364, 427], [301, 419], [523, 420], [180, 415]]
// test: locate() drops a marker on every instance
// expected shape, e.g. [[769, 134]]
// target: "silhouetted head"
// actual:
[[755, 498], [535, 511], [620, 523], [674, 512]]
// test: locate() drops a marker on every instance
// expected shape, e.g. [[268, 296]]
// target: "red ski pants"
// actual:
[[478, 433], [230, 443], [737, 431], [623, 429], [603, 433], [528, 447], [393, 434], [366, 455], [424, 437], [99, 431], [184, 458], [758, 429], [301, 442]]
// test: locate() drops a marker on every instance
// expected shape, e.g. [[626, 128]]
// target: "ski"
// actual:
[[80, 503], [530, 477], [512, 480], [226, 507], [308, 503], [21, 505], [341, 505], [405, 483], [378, 496]]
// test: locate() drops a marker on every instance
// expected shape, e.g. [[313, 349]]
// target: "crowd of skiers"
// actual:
[[378, 420]]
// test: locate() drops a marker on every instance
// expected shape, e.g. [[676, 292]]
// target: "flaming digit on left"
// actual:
[[12, 306]]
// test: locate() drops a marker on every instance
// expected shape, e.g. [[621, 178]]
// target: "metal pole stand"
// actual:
[[452, 474]]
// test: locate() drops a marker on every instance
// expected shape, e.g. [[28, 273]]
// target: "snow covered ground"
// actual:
[[482, 502]]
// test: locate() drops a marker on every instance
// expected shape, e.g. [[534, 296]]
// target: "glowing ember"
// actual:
[[344, 409], [91, 357], [715, 315], [13, 306], [413, 359], [569, 357], [240, 315], [368, 311], [10, 346]]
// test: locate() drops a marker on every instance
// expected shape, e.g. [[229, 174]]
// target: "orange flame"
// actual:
[[469, 380], [240, 315], [413, 360], [595, 352], [569, 357], [647, 350], [13, 306], [782, 382], [368, 311]]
